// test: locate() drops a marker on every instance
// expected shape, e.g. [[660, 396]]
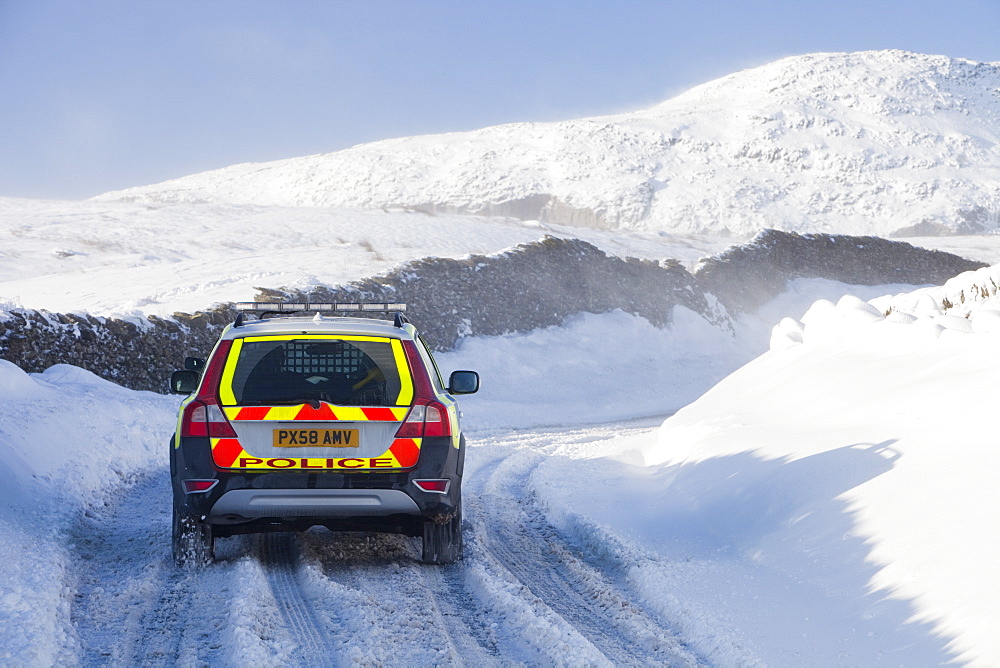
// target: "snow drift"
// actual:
[[68, 442], [855, 463]]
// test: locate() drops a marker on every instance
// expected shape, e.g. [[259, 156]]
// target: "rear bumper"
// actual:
[[249, 499], [242, 505]]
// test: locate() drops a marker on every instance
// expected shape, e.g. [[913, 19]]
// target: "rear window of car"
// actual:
[[346, 371]]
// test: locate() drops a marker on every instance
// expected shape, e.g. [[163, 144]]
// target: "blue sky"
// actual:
[[97, 95]]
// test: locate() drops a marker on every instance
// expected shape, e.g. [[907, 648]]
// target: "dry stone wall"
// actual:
[[138, 355], [745, 277], [531, 286]]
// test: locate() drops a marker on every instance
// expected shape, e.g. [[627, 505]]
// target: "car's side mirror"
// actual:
[[194, 363], [463, 382], [184, 382]]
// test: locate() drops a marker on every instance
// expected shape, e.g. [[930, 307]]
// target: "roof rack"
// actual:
[[264, 309]]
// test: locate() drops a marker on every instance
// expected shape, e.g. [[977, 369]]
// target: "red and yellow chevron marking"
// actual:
[[402, 454], [229, 453]]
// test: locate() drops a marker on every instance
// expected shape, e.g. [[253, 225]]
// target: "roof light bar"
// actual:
[[295, 307]]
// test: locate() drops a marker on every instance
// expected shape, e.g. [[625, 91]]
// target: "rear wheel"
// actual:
[[443, 542], [193, 540]]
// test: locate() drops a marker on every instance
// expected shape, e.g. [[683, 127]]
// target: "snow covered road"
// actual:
[[524, 593]]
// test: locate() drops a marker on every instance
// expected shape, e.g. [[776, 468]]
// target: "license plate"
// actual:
[[315, 438]]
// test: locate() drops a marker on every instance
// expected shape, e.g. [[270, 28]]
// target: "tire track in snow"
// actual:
[[130, 602], [386, 612], [473, 637], [519, 537], [524, 594], [133, 606], [619, 628], [280, 559], [159, 643], [412, 590]]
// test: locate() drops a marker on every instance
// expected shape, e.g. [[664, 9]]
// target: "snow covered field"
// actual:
[[118, 258], [123, 258], [829, 503]]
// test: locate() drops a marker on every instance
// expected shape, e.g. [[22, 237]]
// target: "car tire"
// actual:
[[193, 541], [443, 542]]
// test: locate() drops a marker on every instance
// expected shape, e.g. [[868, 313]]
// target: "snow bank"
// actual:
[[68, 439], [964, 295], [595, 368], [832, 502], [617, 366], [757, 329]]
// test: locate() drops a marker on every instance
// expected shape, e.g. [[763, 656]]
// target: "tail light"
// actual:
[[425, 419], [203, 417], [428, 417]]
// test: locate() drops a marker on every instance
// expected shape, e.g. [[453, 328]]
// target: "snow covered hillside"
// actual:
[[855, 143]]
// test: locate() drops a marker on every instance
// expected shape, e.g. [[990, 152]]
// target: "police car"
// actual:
[[305, 416]]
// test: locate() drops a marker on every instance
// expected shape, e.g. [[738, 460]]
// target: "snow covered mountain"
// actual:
[[883, 143]]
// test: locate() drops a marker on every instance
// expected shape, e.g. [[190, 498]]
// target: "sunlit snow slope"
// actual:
[[854, 143], [855, 462]]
